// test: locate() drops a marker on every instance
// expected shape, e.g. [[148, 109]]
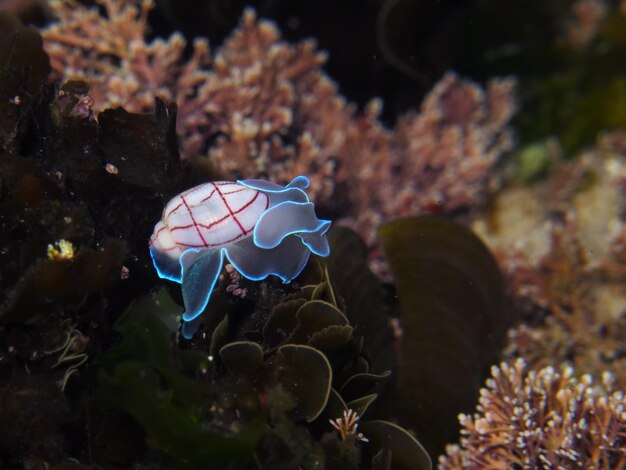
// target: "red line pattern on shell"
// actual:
[[243, 230], [248, 204], [193, 220], [172, 211], [198, 226], [187, 193], [209, 245], [212, 224], [209, 196]]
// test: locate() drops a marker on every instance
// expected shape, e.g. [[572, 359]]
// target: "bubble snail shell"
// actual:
[[262, 228]]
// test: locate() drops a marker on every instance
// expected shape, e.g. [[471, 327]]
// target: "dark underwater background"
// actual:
[[471, 156]]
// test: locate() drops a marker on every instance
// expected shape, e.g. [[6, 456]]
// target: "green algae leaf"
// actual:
[[307, 375], [174, 429], [320, 291], [453, 317], [358, 287], [335, 406], [406, 451], [241, 357], [573, 106], [331, 338], [147, 326], [282, 321], [532, 161], [142, 377], [309, 290], [219, 337], [382, 460], [600, 107], [360, 405], [313, 317], [362, 384]]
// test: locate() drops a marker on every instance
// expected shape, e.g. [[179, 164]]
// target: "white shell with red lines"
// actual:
[[207, 216]]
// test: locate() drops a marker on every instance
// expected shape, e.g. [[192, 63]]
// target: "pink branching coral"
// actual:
[[440, 160], [262, 107], [441, 156], [529, 419], [111, 55]]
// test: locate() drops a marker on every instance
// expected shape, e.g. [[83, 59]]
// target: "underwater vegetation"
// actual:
[[555, 420], [300, 375], [567, 56], [101, 124], [258, 106], [456, 337], [72, 241], [564, 261], [262, 381], [582, 93]]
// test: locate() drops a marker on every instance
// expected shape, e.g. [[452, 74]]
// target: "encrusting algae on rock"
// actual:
[[61, 250]]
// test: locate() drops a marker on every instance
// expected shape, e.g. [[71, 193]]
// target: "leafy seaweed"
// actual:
[[362, 294], [172, 428], [271, 385], [406, 452], [144, 377], [306, 374], [453, 317]]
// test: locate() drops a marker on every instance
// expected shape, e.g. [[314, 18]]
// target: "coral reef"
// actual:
[[559, 243], [299, 375], [262, 107], [442, 156], [543, 418], [89, 382], [109, 53]]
